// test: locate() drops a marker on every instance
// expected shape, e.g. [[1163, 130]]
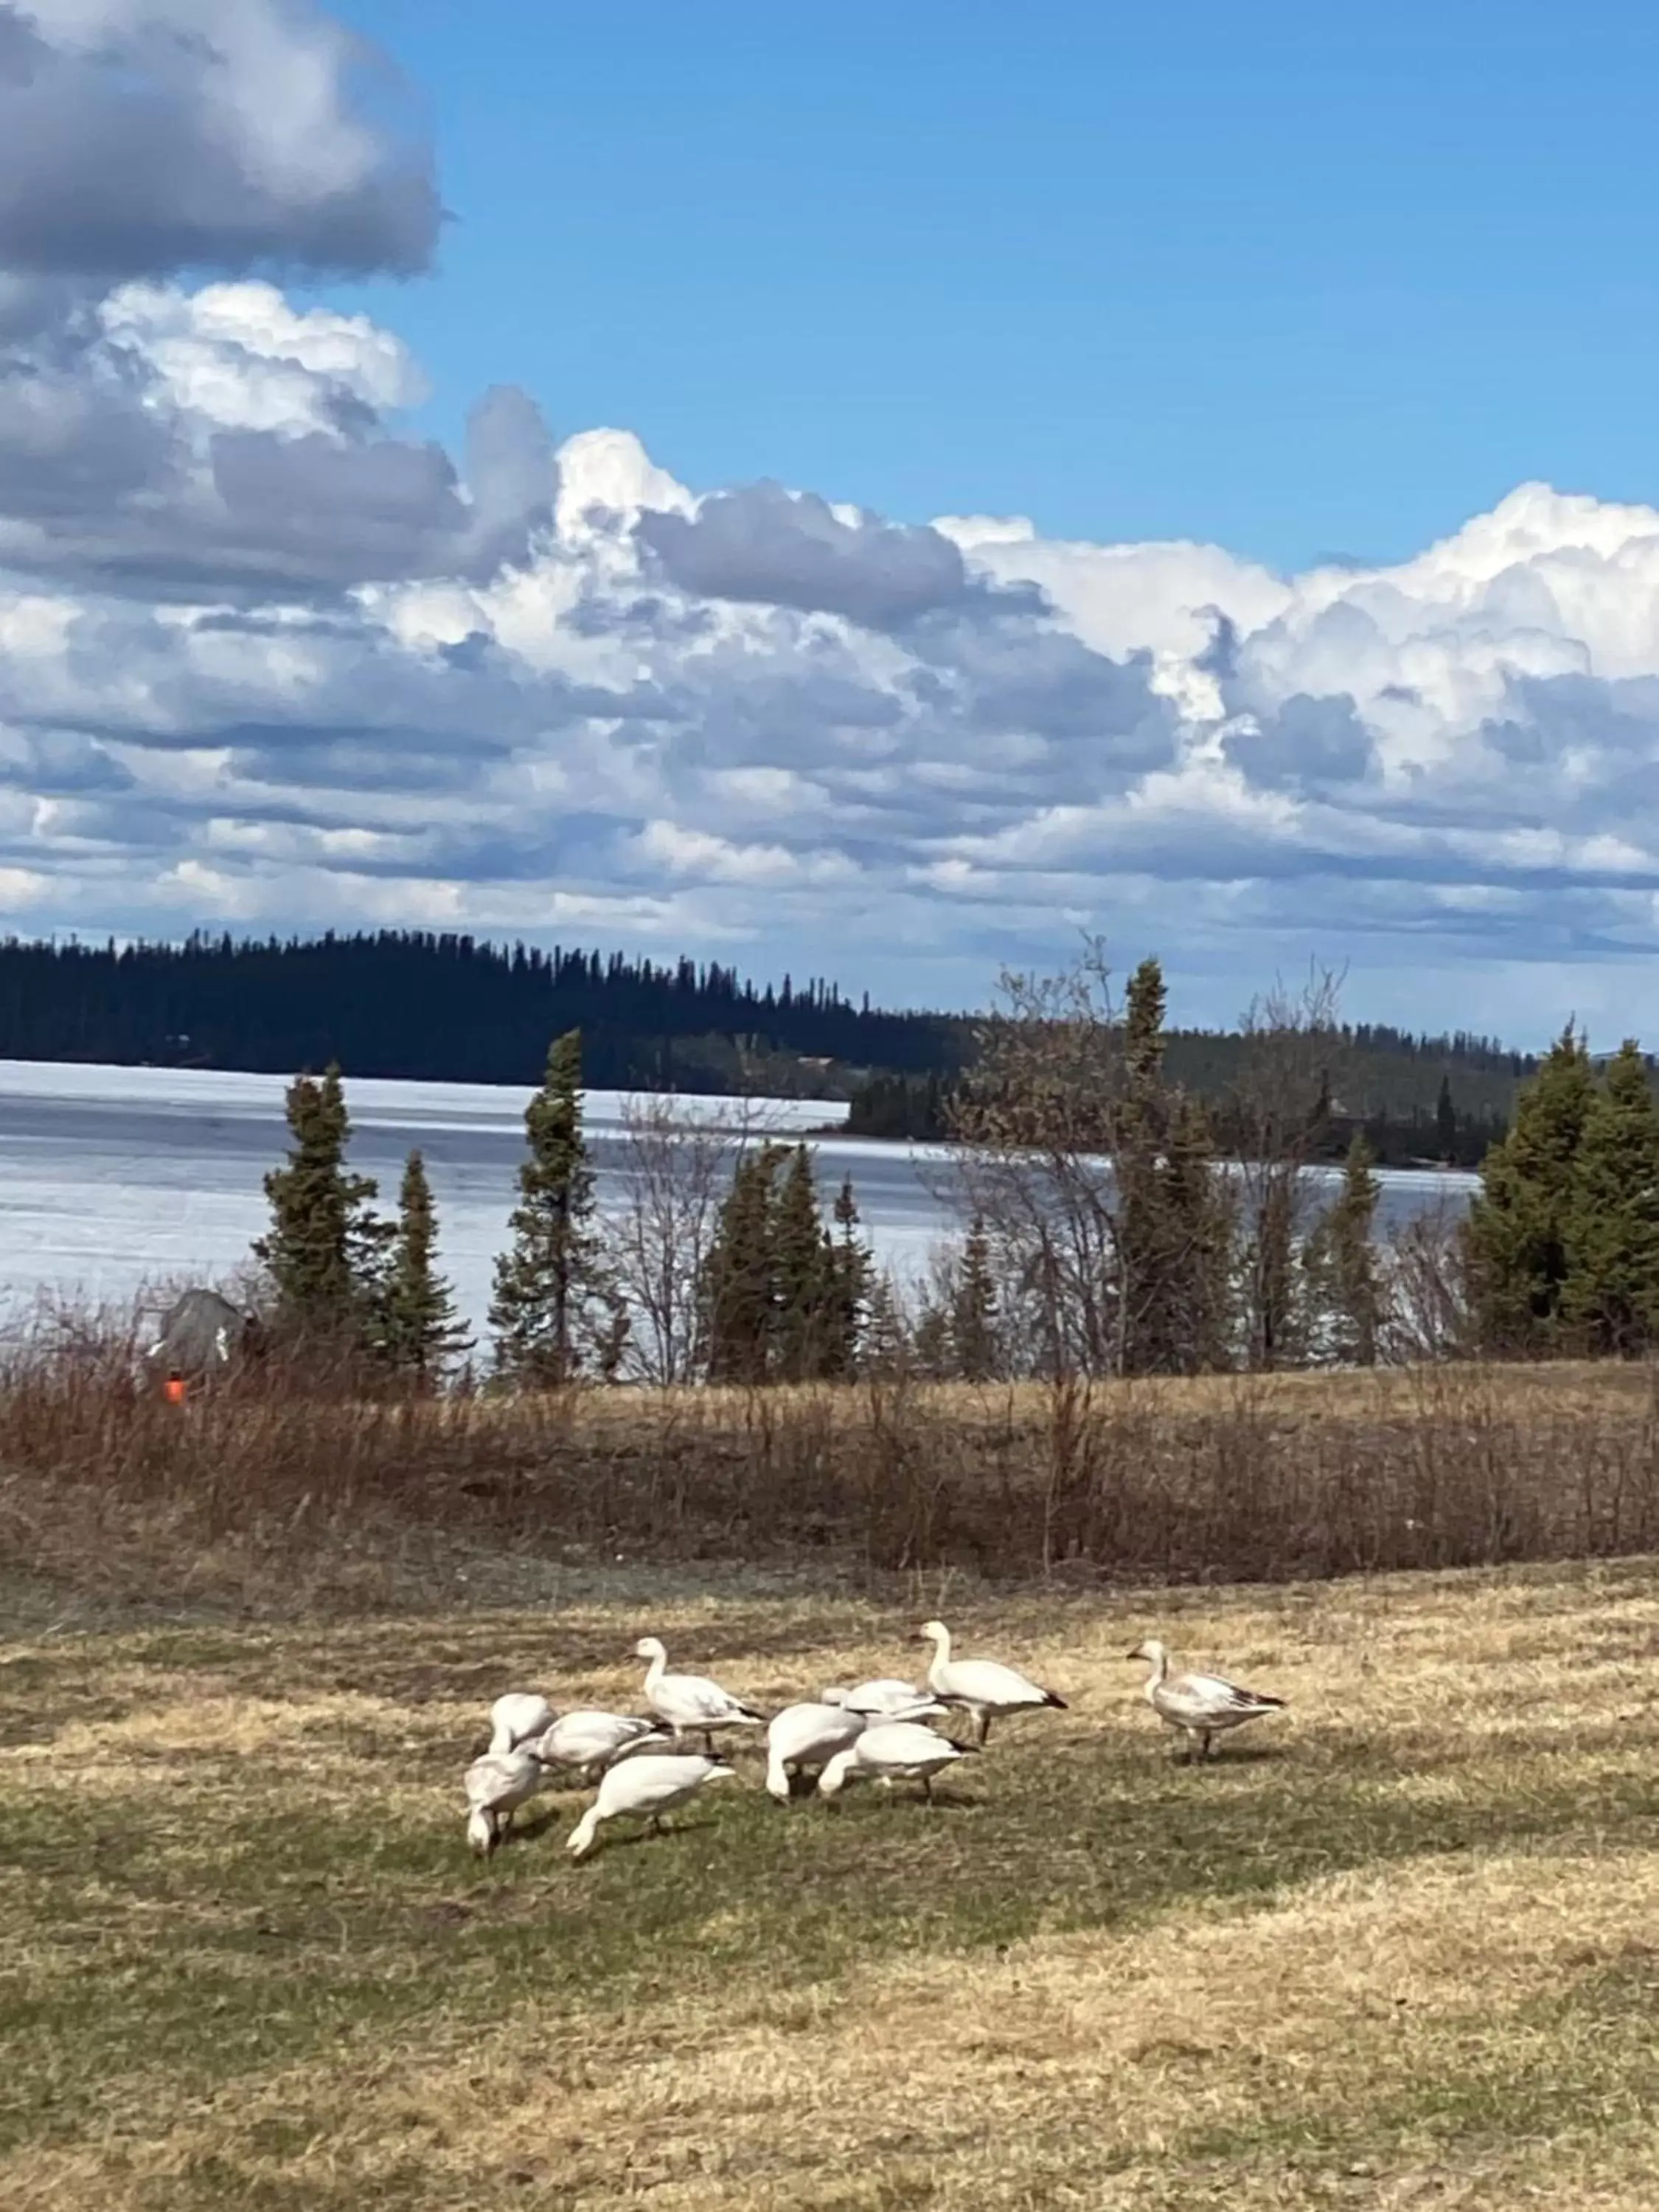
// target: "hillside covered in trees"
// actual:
[[1445, 1099], [433, 1008], [429, 1007]]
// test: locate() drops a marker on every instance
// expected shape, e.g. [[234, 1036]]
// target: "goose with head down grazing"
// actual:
[[691, 1703], [496, 1785], [590, 1740], [983, 1687], [647, 1785], [517, 1718], [1202, 1705], [883, 1699], [888, 1752], [803, 1740]]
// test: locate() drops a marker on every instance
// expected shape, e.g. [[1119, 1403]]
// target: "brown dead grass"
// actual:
[[1450, 2006], [277, 1504]]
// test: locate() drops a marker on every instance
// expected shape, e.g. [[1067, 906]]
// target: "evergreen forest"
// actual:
[[1102, 1229], [424, 1006]]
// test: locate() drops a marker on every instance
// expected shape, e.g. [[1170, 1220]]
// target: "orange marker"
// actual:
[[174, 1387]]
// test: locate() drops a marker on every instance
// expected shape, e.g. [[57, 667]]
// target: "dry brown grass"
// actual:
[[275, 1499], [1401, 1951]]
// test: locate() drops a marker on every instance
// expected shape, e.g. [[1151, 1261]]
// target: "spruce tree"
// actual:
[[931, 1351], [552, 1302], [975, 1351], [420, 1335], [326, 1250], [1610, 1296], [1274, 1308], [852, 1274], [803, 1259], [1516, 1238], [1445, 1122], [740, 1292], [883, 1349], [1339, 1265], [1142, 1125], [1196, 1231]]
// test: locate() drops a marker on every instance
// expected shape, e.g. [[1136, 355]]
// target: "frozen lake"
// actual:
[[112, 1179]]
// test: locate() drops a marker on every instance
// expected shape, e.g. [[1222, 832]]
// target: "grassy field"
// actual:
[[1397, 1948]]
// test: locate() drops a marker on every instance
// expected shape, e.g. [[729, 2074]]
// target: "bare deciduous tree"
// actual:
[[1036, 1125], [1102, 1221], [1427, 1311], [676, 1167], [1280, 1106]]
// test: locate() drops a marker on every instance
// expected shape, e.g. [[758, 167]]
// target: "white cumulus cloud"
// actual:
[[268, 659]]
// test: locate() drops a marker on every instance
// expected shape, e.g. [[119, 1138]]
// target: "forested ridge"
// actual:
[[426, 1006], [445, 1008]]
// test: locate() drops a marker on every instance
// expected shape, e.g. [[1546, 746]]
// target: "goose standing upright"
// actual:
[[983, 1687], [518, 1718], [651, 1783], [1203, 1705], [496, 1785], [803, 1739], [690, 1702]]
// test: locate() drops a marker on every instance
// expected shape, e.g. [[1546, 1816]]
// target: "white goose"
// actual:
[[651, 1783], [496, 1785], [890, 1752], [590, 1740], [883, 1699], [517, 1717], [803, 1739], [1201, 1704], [690, 1702], [982, 1686]]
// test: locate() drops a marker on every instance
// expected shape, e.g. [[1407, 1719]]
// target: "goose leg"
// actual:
[[1204, 1742], [984, 1724], [708, 1741], [927, 1788]]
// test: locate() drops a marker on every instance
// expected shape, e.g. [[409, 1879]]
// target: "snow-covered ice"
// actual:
[[114, 1180]]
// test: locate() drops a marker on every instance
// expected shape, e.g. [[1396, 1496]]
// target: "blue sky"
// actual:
[[874, 491], [1304, 280]]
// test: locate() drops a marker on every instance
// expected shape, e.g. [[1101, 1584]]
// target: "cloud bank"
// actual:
[[267, 660]]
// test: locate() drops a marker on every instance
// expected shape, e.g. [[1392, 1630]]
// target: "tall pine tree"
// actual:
[[1195, 1216], [852, 1276], [975, 1351], [803, 1263], [552, 1306], [1610, 1297], [326, 1250], [420, 1335], [740, 1289], [1445, 1122], [1173, 1222], [1340, 1266], [1515, 1240]]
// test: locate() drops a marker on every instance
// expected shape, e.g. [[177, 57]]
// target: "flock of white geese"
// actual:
[[875, 1731]]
